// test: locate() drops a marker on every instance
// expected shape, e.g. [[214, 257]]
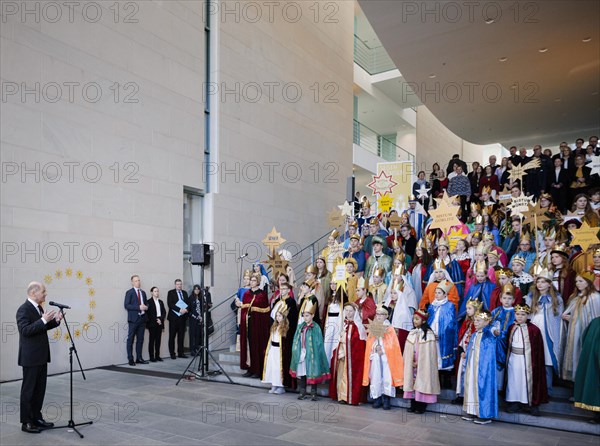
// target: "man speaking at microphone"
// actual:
[[34, 355]]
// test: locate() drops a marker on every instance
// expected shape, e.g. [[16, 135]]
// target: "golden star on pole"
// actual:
[[536, 216], [395, 221], [504, 196], [376, 328], [451, 200], [385, 204], [584, 236], [273, 240], [518, 172], [520, 205], [335, 219], [444, 216], [276, 264], [340, 274]]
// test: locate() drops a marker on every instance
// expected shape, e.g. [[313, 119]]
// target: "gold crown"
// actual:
[[335, 233], [283, 308], [310, 307], [374, 221], [596, 251], [311, 269], [486, 189], [366, 204], [587, 275], [439, 264], [525, 237], [381, 310], [542, 273], [475, 304], [479, 220], [247, 274], [481, 249], [481, 266], [400, 270], [353, 261], [379, 272], [361, 283], [550, 232], [508, 289], [422, 314], [488, 235], [443, 242], [445, 286], [484, 315], [561, 249], [523, 307], [475, 207], [519, 259], [353, 223], [504, 272], [546, 196], [494, 251], [421, 243]]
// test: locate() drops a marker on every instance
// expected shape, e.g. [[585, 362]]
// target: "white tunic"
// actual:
[[379, 373], [333, 326], [516, 385], [273, 372]]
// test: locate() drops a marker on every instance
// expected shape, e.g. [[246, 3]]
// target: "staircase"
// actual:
[[558, 414]]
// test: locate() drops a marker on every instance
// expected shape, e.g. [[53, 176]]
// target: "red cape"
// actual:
[[354, 367], [495, 298], [258, 327], [367, 309]]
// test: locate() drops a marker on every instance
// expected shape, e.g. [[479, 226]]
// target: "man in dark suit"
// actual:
[[34, 355], [178, 302], [136, 306], [155, 324]]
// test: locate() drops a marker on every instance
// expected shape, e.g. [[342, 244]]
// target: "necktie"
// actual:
[[179, 294], [139, 297], [40, 310]]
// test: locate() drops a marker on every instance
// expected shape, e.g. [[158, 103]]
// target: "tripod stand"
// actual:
[[203, 352], [71, 424]]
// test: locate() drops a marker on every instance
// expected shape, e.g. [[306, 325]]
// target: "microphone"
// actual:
[[241, 257], [61, 306]]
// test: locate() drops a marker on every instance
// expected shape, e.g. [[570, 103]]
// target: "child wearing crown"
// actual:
[[438, 275], [421, 380], [366, 304], [383, 365], [277, 355], [481, 290], [401, 303], [502, 319], [481, 395], [309, 361], [442, 320], [525, 371], [347, 361], [503, 277], [464, 336], [377, 286], [521, 279]]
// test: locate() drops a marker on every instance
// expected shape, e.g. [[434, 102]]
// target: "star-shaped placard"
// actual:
[[584, 236], [594, 165], [385, 204], [276, 264], [382, 184], [335, 219], [376, 328], [444, 216], [455, 235], [536, 216], [340, 274], [504, 196], [451, 200], [423, 192], [520, 205], [273, 240], [395, 221], [518, 172], [346, 209]]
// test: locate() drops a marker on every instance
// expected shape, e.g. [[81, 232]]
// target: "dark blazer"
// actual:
[[132, 304], [34, 348], [563, 178], [172, 299], [151, 322]]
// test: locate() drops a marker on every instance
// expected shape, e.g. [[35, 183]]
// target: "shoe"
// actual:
[[313, 397], [272, 389], [482, 421], [377, 403], [142, 361], [30, 428], [183, 356], [302, 395], [248, 374], [254, 375], [43, 424], [131, 362], [173, 357], [467, 417], [279, 391], [152, 360], [535, 411], [159, 359], [458, 400], [386, 403], [513, 408]]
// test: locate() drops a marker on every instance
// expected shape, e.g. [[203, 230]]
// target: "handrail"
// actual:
[[373, 60], [363, 142]]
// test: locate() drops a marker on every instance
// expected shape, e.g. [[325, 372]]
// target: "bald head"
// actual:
[[36, 292]]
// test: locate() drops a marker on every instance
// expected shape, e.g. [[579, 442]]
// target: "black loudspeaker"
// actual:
[[200, 254]]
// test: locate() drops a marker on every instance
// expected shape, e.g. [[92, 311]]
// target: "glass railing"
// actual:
[[373, 60], [379, 145]]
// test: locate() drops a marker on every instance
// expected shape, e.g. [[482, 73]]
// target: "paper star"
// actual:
[[335, 219], [571, 216], [536, 216], [518, 172], [273, 240], [454, 236], [346, 208], [276, 264], [595, 165], [376, 328], [419, 209], [395, 222], [382, 184], [423, 192], [520, 205], [385, 204], [504, 196], [584, 236], [444, 217], [340, 274]]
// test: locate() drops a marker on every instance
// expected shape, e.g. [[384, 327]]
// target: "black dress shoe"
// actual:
[[141, 361], [152, 360], [248, 374], [159, 359], [173, 357], [43, 424], [131, 362], [183, 356], [30, 428]]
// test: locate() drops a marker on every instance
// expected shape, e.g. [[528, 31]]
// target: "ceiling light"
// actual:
[[503, 59], [543, 50], [594, 93], [587, 39], [432, 76], [557, 99], [489, 21]]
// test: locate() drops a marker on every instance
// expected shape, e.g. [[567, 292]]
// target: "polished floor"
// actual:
[[142, 406]]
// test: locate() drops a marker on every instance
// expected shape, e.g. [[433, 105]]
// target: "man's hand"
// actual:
[[49, 315], [183, 311], [143, 307], [158, 321]]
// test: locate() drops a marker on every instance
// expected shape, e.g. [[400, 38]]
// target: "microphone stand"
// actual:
[[71, 424]]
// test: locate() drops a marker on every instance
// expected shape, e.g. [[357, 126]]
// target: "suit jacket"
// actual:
[[151, 322], [563, 178], [172, 299], [132, 304], [34, 348]]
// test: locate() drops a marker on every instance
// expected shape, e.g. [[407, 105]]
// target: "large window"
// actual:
[[192, 220]]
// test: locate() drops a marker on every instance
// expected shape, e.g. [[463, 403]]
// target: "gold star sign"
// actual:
[[382, 184], [276, 264], [504, 196], [376, 328], [451, 200], [395, 222], [584, 236], [340, 274], [518, 172], [454, 237], [571, 216], [385, 204], [335, 219], [273, 240], [346, 209], [536, 216], [520, 204], [444, 216]]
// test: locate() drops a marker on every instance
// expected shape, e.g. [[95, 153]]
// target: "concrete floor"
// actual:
[[145, 407]]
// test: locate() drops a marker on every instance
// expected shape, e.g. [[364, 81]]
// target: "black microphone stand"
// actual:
[[71, 424]]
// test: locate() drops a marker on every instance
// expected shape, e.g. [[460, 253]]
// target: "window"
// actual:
[[192, 220]]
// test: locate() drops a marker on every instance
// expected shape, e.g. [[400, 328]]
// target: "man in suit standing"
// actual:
[[155, 324], [34, 355], [136, 306], [178, 302]]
